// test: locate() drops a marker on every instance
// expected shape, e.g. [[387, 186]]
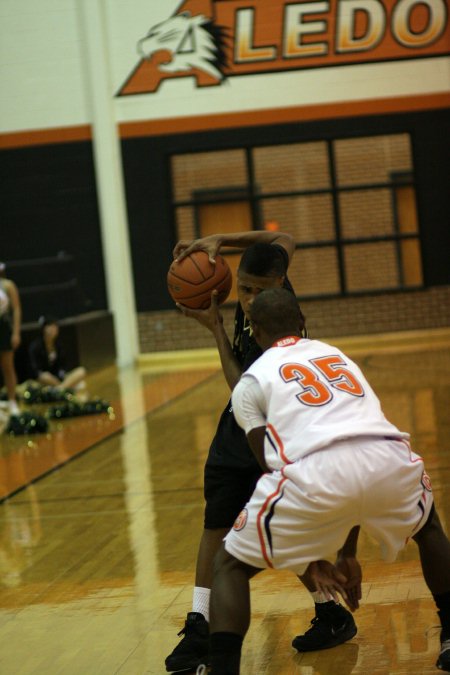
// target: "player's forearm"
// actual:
[[230, 365], [255, 439], [17, 319], [245, 239], [351, 543]]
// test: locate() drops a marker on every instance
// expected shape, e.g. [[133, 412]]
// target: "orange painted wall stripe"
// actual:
[[306, 113], [19, 139], [178, 125]]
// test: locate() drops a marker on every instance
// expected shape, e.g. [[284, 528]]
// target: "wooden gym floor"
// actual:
[[97, 556]]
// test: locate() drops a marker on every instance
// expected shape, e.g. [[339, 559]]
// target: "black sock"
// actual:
[[442, 601], [225, 653]]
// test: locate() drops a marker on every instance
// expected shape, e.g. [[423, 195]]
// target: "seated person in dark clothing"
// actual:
[[47, 359]]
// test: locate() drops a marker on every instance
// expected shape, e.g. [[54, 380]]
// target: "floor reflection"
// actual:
[[69, 437], [97, 558]]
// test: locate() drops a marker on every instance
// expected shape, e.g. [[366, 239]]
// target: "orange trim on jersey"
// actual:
[[424, 496], [261, 515], [279, 443], [408, 445], [287, 341]]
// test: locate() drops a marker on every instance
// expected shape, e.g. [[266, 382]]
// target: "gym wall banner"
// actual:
[[212, 40]]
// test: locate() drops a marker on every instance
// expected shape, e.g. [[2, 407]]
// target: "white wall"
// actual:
[[41, 65], [44, 83]]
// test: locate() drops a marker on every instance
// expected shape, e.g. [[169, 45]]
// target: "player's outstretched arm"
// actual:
[[213, 243], [348, 565], [323, 576], [255, 439], [212, 319]]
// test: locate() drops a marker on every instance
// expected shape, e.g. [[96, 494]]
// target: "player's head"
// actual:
[[261, 267], [274, 314], [49, 326]]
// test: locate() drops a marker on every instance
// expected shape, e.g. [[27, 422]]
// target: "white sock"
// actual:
[[200, 601], [319, 597], [13, 407]]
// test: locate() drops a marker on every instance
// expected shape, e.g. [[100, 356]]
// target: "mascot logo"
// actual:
[[192, 42], [183, 45]]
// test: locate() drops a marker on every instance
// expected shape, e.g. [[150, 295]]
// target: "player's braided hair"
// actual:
[[239, 325]]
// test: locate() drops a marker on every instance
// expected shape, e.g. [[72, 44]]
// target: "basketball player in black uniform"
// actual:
[[231, 471]]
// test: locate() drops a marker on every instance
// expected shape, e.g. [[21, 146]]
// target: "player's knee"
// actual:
[[224, 561]]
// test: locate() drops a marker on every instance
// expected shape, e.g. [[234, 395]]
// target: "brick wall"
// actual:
[[207, 170], [336, 317]]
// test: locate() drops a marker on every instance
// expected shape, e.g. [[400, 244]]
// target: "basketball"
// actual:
[[192, 280]]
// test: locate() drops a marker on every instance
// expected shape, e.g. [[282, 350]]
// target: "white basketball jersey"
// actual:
[[4, 300], [313, 395]]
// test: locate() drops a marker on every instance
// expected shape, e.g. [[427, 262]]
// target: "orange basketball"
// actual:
[[192, 280]]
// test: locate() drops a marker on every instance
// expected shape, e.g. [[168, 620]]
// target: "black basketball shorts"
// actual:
[[226, 492], [5, 334]]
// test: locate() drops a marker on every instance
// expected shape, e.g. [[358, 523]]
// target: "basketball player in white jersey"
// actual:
[[10, 321], [334, 465]]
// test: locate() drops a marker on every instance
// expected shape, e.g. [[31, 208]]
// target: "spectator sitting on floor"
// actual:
[[47, 359]]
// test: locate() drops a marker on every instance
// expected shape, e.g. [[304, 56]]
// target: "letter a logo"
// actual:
[[187, 44]]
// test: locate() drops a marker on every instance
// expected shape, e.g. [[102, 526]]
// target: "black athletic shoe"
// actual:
[[443, 661], [330, 629], [192, 651]]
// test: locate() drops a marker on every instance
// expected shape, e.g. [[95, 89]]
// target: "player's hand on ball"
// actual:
[[350, 568], [180, 248], [210, 317], [209, 244], [328, 580]]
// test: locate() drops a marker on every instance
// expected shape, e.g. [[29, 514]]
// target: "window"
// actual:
[[349, 204]]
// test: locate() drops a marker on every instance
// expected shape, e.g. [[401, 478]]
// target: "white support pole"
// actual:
[[110, 186]]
